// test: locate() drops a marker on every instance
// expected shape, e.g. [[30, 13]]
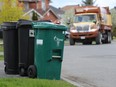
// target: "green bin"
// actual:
[[49, 46]]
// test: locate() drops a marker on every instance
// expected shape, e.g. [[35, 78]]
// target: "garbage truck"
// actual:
[[91, 23]]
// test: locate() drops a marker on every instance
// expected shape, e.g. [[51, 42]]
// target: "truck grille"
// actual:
[[84, 28]]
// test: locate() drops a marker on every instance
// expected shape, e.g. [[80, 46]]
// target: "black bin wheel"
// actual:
[[22, 71], [5, 69], [32, 72]]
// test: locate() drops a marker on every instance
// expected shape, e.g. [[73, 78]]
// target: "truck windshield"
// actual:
[[85, 18]]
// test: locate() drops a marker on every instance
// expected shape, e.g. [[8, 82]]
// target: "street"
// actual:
[[90, 65]]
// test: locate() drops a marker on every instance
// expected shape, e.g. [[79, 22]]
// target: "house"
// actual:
[[42, 8]]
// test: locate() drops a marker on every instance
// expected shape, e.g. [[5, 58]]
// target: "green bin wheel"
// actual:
[[32, 72]]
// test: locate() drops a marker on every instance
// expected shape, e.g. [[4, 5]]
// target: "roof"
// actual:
[[69, 7], [32, 0], [31, 10], [41, 12], [56, 10], [29, 0]]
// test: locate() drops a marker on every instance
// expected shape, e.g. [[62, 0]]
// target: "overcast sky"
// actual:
[[101, 3]]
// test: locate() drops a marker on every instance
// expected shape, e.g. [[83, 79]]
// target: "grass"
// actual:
[[114, 38], [26, 82], [1, 45], [1, 57], [1, 48]]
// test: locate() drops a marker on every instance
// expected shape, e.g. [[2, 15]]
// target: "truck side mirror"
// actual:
[[68, 23], [95, 21]]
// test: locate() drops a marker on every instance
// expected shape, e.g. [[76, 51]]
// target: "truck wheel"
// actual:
[[109, 38], [99, 38], [22, 71], [72, 41], [32, 72]]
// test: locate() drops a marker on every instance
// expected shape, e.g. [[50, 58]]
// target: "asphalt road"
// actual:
[[90, 65], [2, 73]]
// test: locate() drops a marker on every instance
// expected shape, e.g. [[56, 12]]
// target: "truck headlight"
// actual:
[[73, 29], [93, 27]]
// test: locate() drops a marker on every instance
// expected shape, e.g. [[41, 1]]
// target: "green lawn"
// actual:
[[1, 48], [26, 82], [1, 57], [1, 45]]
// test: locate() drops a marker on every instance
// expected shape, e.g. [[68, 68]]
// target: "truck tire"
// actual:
[[109, 37], [32, 72], [99, 38], [72, 41]]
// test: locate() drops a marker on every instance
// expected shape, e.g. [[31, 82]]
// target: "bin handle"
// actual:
[[55, 57]]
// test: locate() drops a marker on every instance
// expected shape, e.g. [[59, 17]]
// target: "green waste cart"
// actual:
[[49, 45]]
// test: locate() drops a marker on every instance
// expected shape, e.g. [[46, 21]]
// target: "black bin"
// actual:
[[1, 33], [10, 40], [26, 45]]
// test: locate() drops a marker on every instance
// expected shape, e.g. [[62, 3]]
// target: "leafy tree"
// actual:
[[10, 11], [34, 16], [113, 13], [88, 2], [68, 17]]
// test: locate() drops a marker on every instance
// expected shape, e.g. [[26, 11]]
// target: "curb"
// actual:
[[72, 82]]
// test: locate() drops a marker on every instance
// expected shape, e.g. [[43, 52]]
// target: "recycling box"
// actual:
[[10, 40], [26, 45], [49, 45]]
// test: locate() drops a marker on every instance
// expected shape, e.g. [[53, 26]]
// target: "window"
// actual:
[[26, 5], [85, 18], [43, 5]]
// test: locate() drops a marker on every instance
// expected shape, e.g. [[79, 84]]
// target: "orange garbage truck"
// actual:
[[91, 23]]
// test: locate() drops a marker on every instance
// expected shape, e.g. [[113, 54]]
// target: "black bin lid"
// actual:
[[23, 22], [8, 25]]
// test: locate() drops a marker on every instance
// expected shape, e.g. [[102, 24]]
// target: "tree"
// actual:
[[68, 17], [34, 16], [10, 11], [88, 2], [113, 14]]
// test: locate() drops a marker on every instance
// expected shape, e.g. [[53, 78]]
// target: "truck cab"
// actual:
[[88, 26]]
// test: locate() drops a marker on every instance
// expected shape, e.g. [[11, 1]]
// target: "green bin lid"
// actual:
[[48, 25]]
